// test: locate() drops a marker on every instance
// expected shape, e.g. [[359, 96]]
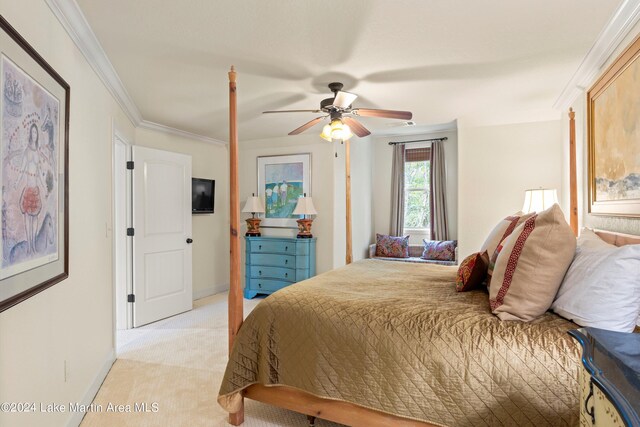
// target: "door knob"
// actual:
[[189, 240]]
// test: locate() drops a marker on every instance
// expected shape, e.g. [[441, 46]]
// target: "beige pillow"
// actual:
[[501, 231], [531, 266]]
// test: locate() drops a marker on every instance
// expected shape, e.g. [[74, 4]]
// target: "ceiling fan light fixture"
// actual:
[[336, 130], [326, 133]]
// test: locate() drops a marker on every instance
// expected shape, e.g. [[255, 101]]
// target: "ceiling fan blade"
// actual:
[[344, 99], [306, 126], [356, 127], [391, 114], [291, 111]]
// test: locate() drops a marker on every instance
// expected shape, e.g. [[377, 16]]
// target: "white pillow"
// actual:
[[602, 287], [589, 238]]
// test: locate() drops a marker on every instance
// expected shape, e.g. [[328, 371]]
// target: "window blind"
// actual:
[[417, 154]]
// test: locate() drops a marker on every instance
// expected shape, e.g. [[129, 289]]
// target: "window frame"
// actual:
[[417, 231]]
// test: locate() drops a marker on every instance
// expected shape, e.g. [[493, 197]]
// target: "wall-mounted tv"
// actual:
[[203, 193]]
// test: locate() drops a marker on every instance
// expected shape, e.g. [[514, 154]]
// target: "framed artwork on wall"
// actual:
[[281, 181], [34, 171], [613, 128]]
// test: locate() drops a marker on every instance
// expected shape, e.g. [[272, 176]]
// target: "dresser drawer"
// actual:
[[275, 260], [266, 285], [259, 272], [267, 247]]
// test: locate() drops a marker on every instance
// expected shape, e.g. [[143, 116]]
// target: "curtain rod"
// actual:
[[419, 140]]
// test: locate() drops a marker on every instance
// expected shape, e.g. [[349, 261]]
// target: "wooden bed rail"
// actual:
[[326, 409]]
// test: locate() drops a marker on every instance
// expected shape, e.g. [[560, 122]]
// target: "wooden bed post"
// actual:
[[235, 293], [573, 186], [347, 161]]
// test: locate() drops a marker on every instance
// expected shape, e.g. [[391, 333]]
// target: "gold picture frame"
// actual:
[[613, 132]]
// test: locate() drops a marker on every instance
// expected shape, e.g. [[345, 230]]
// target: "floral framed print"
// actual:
[[613, 127], [281, 181], [34, 170]]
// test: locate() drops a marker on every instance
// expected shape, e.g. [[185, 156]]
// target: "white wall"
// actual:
[[362, 194], [619, 224], [497, 164], [327, 190], [322, 164], [73, 320], [382, 166], [210, 231]]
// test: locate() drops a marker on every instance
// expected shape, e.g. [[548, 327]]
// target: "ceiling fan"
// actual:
[[341, 114]]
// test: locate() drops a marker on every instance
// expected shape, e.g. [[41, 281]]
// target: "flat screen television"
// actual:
[[203, 193]]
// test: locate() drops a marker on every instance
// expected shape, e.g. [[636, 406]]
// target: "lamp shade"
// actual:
[[253, 205], [539, 199], [305, 207]]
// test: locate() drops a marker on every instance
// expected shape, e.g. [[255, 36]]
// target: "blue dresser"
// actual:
[[275, 262]]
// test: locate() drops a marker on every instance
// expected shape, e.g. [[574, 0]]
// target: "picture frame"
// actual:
[[34, 171], [292, 170], [613, 133]]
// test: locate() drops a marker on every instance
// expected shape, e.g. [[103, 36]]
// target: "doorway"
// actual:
[[152, 252]]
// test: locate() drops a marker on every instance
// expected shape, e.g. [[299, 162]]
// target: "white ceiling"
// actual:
[[441, 59]]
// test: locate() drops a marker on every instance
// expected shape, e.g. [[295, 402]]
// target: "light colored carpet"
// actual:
[[178, 364]]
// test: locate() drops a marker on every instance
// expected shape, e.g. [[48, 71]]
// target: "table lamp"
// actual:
[[305, 207], [539, 199], [253, 205]]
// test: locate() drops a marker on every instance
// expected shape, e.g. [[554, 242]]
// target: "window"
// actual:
[[417, 177]]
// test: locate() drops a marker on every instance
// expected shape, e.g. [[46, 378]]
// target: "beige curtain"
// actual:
[[397, 191], [438, 201]]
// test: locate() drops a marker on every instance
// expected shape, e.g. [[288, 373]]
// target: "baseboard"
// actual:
[[91, 392], [211, 290]]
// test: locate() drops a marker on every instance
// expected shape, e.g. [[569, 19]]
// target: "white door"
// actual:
[[162, 234]]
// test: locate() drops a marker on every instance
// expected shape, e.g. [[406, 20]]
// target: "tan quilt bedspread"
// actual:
[[398, 338]]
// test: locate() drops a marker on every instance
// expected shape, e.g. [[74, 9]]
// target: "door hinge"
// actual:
[[130, 231], [130, 165], [131, 298]]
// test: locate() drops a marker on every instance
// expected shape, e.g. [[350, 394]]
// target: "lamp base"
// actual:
[[304, 228], [253, 227]]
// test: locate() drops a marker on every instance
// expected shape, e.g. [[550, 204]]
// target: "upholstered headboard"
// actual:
[[618, 239]]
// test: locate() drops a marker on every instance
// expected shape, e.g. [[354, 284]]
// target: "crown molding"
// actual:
[[618, 27], [146, 124], [74, 22]]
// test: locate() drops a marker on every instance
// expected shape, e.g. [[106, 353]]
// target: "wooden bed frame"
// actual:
[[300, 401]]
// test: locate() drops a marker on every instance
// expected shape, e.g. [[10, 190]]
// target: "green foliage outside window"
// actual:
[[416, 194]]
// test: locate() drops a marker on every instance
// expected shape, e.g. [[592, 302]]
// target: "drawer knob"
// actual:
[[286, 274], [286, 248], [260, 272], [260, 285], [286, 261], [259, 246]]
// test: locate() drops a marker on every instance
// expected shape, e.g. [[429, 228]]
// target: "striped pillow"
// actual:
[[531, 265], [502, 230]]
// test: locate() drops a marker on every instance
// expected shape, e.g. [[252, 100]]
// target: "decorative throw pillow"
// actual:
[[531, 265], [502, 230], [472, 271], [392, 247], [602, 287], [441, 250]]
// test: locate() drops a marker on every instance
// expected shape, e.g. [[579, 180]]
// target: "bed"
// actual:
[[392, 344], [413, 348]]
